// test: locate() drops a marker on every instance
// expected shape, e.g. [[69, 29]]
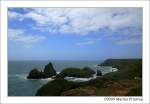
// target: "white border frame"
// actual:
[[92, 100]]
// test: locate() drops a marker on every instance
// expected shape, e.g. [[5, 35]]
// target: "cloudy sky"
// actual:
[[74, 33]]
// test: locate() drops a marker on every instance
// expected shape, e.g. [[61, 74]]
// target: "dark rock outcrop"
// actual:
[[36, 74], [125, 82], [99, 73], [127, 68], [120, 63], [49, 71], [75, 72]]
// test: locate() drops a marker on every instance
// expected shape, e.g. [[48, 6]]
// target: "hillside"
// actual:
[[127, 81]]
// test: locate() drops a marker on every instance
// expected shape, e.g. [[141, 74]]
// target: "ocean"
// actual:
[[18, 85]]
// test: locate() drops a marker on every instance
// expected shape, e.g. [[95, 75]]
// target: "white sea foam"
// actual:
[[47, 79], [114, 69], [74, 79], [57, 72], [106, 69]]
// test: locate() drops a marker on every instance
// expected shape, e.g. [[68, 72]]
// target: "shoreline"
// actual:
[[77, 79], [74, 79], [124, 80]]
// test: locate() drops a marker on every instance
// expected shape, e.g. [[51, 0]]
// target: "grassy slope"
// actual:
[[128, 68], [120, 83]]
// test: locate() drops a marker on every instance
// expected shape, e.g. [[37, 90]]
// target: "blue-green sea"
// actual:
[[18, 85]]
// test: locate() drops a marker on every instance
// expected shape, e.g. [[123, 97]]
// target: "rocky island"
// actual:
[[76, 72], [49, 71], [127, 81]]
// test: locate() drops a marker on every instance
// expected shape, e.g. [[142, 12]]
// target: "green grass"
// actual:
[[127, 81], [75, 72]]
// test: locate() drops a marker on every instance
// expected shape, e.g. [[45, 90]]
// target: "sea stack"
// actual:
[[35, 74], [49, 71]]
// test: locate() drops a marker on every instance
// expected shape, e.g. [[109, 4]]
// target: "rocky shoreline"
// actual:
[[50, 72], [126, 81]]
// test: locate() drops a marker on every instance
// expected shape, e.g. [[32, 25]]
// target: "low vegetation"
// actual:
[[77, 72], [127, 81]]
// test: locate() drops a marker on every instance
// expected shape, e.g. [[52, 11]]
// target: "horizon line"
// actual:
[[75, 59]]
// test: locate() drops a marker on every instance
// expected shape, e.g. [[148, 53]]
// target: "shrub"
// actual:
[[75, 72]]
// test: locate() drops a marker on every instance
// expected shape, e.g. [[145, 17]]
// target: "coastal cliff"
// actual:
[[127, 81], [127, 68]]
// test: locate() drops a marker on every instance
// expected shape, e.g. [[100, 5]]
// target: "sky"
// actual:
[[74, 33]]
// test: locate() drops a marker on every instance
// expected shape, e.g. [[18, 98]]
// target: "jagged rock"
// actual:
[[99, 73], [35, 74], [49, 70], [119, 83]]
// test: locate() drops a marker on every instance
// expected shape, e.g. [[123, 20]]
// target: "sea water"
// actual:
[[19, 85]]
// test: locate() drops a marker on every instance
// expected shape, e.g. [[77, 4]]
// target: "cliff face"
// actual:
[[127, 81], [49, 70], [128, 68], [120, 63]]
